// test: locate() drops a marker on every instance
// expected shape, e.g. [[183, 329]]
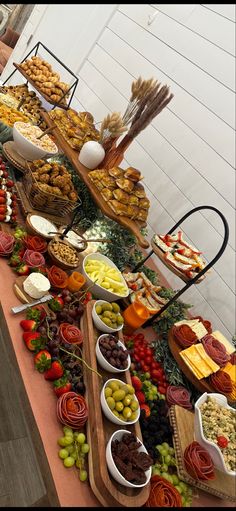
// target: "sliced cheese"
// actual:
[[230, 369], [197, 359], [180, 266], [196, 326], [220, 337], [186, 260], [194, 370], [213, 366]]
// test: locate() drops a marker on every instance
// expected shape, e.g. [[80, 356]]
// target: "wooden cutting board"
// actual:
[[182, 421], [20, 292], [99, 428]]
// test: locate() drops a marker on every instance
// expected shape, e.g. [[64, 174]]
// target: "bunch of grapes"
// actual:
[[72, 309], [74, 451], [150, 391], [166, 468]]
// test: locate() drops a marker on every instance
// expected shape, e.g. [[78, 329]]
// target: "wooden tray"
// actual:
[[182, 421], [13, 156], [132, 225], [27, 208], [99, 428], [174, 270], [202, 385], [20, 292], [45, 96]]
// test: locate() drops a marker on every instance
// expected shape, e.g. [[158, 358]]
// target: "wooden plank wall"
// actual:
[[187, 154]]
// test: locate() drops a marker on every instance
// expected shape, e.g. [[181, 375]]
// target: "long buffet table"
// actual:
[[70, 492]]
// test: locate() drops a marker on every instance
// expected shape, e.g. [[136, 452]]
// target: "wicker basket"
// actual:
[[45, 201]]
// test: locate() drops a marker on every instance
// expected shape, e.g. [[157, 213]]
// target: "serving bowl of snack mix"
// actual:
[[28, 145], [215, 430], [63, 254]]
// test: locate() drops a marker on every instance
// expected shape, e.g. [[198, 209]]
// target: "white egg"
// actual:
[[8, 202]]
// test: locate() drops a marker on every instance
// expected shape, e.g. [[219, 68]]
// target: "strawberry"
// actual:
[[22, 269], [140, 397], [42, 360], [15, 260], [28, 325], [145, 407], [88, 296], [136, 382], [33, 341], [56, 371], [56, 303], [38, 313], [62, 385]]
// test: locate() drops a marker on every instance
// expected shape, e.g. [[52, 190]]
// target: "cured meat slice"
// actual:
[[184, 335], [178, 396], [221, 382], [7, 242], [198, 462], [216, 350], [163, 494], [34, 259], [72, 410]]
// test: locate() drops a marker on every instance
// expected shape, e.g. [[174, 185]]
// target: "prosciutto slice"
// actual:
[[198, 462], [7, 242], [178, 396], [34, 259], [72, 410]]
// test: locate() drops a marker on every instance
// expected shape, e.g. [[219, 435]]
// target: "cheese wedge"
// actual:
[[220, 337]]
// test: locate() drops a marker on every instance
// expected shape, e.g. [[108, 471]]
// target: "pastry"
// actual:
[[125, 184], [116, 172], [133, 200], [142, 215], [108, 182], [121, 196], [133, 174], [139, 191], [144, 203], [132, 211], [118, 207], [107, 194]]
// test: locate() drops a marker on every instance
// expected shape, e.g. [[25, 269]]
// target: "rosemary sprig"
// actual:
[[72, 354]]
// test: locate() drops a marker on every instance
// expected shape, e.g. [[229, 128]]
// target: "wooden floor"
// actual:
[[25, 477]]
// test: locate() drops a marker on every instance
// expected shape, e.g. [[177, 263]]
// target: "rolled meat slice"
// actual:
[[7, 242], [70, 333], [216, 350], [72, 410], [221, 382], [178, 396], [34, 259], [184, 335], [198, 462]]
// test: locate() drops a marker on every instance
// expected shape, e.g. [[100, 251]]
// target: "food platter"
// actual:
[[99, 429], [201, 385], [13, 156], [45, 96], [132, 225], [159, 253], [182, 421], [20, 292]]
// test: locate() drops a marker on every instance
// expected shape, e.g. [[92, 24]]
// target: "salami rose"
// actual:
[[184, 335], [70, 333], [36, 243], [216, 350], [163, 494], [198, 462], [34, 259], [6, 243], [221, 382], [72, 410], [58, 277], [205, 322], [178, 396]]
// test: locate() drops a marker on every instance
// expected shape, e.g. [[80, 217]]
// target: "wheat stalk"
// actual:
[[112, 126], [140, 89]]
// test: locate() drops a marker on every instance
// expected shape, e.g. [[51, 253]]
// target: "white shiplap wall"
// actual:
[[187, 154]]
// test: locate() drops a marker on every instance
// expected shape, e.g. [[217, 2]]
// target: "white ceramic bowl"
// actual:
[[99, 291], [117, 435], [103, 361], [212, 448], [99, 323], [108, 413], [26, 148]]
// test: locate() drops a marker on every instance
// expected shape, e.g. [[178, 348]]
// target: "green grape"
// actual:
[[83, 475], [183, 486], [167, 459], [63, 453], [179, 489], [165, 475], [159, 448], [74, 455], [165, 445], [85, 448], [62, 441], [164, 452], [171, 451], [81, 438], [79, 463], [69, 462], [175, 479], [170, 479], [70, 448], [68, 440], [183, 500], [164, 467], [172, 462], [156, 471], [67, 431]]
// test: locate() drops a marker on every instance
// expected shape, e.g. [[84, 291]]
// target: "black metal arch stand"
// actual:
[[209, 265]]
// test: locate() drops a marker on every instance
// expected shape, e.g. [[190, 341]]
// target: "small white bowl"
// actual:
[[211, 447], [108, 413], [99, 323], [103, 362], [99, 291], [117, 435], [26, 148]]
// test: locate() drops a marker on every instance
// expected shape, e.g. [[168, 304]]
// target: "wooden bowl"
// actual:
[[33, 230], [57, 260]]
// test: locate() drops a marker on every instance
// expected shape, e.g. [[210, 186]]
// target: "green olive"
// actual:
[[115, 307]]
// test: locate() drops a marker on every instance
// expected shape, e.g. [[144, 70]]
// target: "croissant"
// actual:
[[49, 85], [56, 98]]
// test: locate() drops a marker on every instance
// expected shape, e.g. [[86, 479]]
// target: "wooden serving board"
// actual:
[[20, 292], [45, 96], [202, 385], [27, 208], [99, 428], [159, 253], [182, 421], [13, 156], [132, 225]]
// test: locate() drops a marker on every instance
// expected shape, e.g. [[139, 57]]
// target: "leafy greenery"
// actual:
[[175, 312]]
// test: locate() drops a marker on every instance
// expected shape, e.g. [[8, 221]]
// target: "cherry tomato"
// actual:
[[10, 183], [149, 352], [136, 358], [2, 193], [2, 166], [162, 390], [145, 368], [2, 200], [148, 360], [2, 218]]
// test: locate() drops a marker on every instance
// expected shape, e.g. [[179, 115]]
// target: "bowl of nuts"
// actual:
[[63, 254]]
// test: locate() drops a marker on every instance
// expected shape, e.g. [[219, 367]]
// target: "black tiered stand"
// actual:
[[197, 277]]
